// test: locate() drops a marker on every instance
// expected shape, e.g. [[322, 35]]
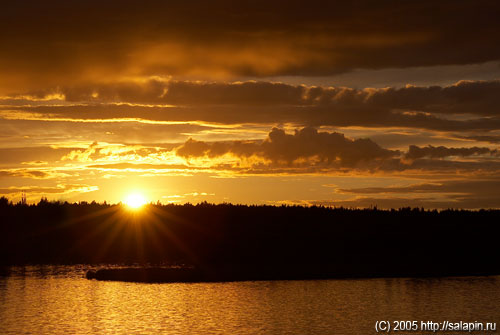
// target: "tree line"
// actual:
[[403, 240]]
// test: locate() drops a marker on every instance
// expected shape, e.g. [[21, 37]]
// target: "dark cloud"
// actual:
[[478, 166], [310, 151], [433, 108], [464, 97], [470, 97], [472, 194], [483, 138], [60, 41], [455, 186], [307, 143], [415, 152], [176, 92]]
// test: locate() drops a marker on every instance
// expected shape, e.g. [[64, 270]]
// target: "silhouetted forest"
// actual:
[[349, 241]]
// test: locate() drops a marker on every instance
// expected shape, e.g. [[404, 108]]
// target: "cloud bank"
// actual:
[[464, 106], [91, 40]]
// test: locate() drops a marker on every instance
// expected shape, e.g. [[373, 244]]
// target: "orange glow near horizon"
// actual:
[[256, 103]]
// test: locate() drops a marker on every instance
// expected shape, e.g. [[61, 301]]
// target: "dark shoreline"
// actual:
[[231, 274]]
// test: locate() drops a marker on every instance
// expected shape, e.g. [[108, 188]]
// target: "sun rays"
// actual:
[[117, 233]]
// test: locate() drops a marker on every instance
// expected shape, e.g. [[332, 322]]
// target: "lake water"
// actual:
[[58, 300]]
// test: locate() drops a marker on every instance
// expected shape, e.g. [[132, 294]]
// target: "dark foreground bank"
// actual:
[[303, 272], [235, 242]]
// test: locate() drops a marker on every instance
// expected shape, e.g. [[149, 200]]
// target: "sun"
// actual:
[[135, 200]]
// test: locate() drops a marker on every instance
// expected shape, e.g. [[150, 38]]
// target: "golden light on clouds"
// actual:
[[258, 102]]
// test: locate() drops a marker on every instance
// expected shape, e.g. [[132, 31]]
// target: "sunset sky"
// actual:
[[352, 103]]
